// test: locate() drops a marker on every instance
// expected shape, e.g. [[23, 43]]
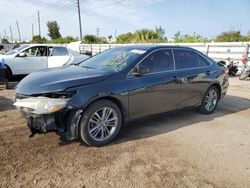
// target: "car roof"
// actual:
[[49, 45], [151, 47]]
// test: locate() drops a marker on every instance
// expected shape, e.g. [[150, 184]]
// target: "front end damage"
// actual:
[[49, 113]]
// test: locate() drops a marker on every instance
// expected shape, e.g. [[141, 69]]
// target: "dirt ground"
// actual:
[[182, 149]]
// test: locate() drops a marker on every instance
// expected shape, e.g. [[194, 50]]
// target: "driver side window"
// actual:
[[159, 61], [36, 51]]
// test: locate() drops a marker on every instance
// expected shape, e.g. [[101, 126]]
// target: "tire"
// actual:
[[8, 74], [92, 129], [6, 82], [244, 75], [204, 104]]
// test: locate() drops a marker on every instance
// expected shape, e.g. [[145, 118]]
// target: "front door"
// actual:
[[156, 91], [33, 59]]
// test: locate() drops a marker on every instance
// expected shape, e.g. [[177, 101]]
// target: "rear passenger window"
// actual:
[[185, 59], [161, 60], [203, 62], [59, 51]]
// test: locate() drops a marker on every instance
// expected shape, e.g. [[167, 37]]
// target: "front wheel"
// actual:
[[210, 100], [100, 123]]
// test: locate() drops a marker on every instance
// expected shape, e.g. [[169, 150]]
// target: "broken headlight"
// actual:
[[41, 105]]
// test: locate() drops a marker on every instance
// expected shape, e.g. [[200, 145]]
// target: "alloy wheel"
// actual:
[[211, 100], [103, 123]]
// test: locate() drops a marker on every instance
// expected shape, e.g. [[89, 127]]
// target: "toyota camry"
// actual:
[[93, 99]]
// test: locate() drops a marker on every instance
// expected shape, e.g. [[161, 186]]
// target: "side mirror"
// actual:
[[22, 54], [140, 70]]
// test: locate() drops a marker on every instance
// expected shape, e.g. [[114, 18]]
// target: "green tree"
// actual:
[[146, 36], [231, 36], [125, 38], [143, 36], [38, 39], [177, 37], [53, 29], [62, 40], [4, 41], [161, 32], [110, 37], [188, 38], [92, 39]]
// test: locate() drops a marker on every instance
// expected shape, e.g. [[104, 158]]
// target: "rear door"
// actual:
[[58, 56], [156, 91], [192, 77], [35, 59]]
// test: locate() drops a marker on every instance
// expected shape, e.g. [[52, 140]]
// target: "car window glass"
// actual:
[[50, 50], [203, 62], [185, 59], [161, 60], [59, 51], [114, 59], [36, 51]]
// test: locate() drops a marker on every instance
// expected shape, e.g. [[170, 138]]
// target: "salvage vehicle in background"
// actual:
[[1, 49], [233, 68], [26, 59], [93, 99], [3, 80], [246, 70]]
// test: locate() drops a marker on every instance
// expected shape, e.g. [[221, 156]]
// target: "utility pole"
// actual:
[[6, 36], [19, 35], [32, 31], [79, 16], [115, 34], [11, 36], [39, 26], [97, 31]]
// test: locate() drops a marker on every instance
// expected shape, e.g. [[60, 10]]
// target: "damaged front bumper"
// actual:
[[40, 123], [46, 114]]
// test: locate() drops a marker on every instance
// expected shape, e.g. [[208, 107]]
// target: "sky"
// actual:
[[206, 17]]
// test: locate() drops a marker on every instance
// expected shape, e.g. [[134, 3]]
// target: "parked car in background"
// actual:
[[3, 80], [1, 49], [246, 70], [92, 100], [26, 59]]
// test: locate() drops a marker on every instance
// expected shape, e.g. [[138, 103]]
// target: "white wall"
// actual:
[[217, 51]]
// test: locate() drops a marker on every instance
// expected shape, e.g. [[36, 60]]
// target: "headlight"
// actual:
[[41, 105]]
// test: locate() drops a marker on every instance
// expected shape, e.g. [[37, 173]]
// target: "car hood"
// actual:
[[59, 79]]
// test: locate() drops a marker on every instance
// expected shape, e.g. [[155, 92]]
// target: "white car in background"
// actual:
[[26, 59]]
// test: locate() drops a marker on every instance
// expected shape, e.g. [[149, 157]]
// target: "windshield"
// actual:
[[115, 59], [16, 50]]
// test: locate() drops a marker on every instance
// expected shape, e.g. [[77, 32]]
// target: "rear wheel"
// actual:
[[8, 76], [210, 100], [100, 123]]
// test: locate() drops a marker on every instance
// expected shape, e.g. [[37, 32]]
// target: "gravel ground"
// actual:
[[182, 149]]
